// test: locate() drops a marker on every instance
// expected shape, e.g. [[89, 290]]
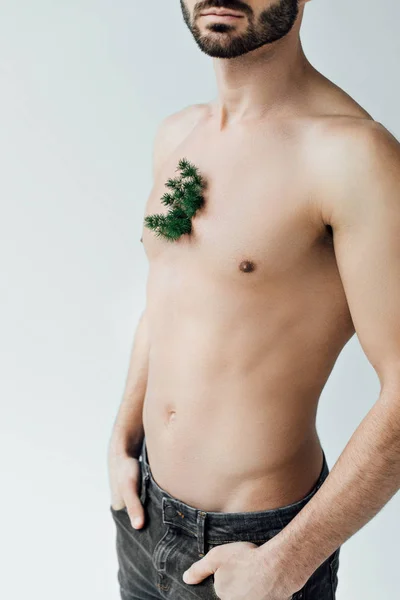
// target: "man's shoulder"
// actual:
[[174, 128], [351, 133], [185, 117], [352, 146], [353, 153]]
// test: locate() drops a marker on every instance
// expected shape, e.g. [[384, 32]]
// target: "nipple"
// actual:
[[247, 266]]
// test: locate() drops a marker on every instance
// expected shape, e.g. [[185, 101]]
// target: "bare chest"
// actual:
[[255, 221]]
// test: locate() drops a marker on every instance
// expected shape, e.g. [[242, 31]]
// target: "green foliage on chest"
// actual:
[[184, 199]]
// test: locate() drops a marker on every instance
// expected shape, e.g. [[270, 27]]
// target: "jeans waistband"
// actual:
[[222, 524]]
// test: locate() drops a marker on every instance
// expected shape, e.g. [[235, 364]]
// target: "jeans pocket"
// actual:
[[116, 511]]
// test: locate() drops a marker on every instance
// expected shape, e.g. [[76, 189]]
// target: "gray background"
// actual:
[[84, 84]]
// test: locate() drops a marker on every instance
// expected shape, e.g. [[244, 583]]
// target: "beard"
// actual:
[[221, 40]]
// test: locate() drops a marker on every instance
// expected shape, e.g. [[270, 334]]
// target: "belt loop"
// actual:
[[143, 491], [201, 516], [144, 473], [142, 450], [143, 456]]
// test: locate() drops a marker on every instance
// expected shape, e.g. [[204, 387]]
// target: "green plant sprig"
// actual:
[[184, 199]]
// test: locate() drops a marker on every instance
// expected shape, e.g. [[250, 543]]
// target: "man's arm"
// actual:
[[364, 212], [127, 434]]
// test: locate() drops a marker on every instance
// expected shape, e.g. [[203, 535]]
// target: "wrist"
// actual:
[[125, 446], [290, 571]]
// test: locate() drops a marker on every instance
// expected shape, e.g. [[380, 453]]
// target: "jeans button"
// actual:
[[170, 511]]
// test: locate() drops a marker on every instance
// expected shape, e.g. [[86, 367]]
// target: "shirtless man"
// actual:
[[296, 248]]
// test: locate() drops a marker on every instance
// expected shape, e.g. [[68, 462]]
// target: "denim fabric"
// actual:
[[152, 559]]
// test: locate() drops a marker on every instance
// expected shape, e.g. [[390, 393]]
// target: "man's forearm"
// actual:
[[364, 478], [127, 434]]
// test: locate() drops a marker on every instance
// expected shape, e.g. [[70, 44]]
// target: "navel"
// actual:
[[247, 266], [171, 416]]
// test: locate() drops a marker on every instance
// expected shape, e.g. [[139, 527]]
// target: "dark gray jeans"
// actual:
[[152, 559]]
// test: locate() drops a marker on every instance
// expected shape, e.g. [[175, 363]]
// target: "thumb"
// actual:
[[201, 569]]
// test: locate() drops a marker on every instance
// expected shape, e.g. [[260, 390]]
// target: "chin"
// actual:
[[218, 37]]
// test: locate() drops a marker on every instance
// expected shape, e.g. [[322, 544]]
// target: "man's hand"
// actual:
[[241, 572], [124, 474]]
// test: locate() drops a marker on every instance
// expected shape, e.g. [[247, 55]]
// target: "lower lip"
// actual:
[[223, 17]]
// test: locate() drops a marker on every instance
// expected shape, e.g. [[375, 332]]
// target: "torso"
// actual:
[[247, 316]]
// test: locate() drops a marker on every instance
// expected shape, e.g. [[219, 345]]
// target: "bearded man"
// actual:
[[214, 450]]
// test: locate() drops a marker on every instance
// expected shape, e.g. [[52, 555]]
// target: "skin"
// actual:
[[228, 365]]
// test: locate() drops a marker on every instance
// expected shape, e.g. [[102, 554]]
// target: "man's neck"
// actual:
[[259, 82]]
